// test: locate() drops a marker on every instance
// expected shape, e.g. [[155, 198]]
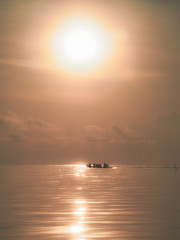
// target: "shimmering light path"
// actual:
[[77, 203]]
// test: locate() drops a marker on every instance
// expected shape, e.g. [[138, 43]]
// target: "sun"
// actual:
[[80, 44]]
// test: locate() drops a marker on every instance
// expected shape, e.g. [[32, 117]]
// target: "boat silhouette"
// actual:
[[95, 165]]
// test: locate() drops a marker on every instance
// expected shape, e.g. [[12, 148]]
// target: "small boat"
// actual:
[[95, 165]]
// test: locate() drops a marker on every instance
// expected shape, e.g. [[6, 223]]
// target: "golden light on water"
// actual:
[[80, 201], [76, 229], [80, 170], [79, 228], [80, 211]]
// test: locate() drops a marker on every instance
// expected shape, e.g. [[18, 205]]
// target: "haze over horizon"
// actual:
[[120, 103]]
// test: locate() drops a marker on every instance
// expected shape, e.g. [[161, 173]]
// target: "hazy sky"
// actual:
[[125, 111]]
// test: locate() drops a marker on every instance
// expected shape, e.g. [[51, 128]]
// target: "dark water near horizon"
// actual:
[[77, 203]]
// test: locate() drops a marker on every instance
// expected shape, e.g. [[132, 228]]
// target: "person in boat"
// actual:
[[89, 165], [105, 165]]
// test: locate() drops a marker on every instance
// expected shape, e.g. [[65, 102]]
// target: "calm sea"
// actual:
[[76, 203]]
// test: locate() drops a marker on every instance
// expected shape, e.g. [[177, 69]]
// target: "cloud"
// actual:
[[16, 138], [153, 143], [31, 140], [92, 139], [127, 134], [96, 134], [93, 128], [29, 131], [2, 122], [165, 129], [36, 122], [171, 120], [37, 140]]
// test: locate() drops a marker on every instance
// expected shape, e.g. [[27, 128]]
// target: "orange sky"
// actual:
[[124, 110]]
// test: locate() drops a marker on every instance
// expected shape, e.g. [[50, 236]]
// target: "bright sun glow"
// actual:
[[80, 45]]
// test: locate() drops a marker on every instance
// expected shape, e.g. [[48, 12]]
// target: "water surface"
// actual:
[[77, 203]]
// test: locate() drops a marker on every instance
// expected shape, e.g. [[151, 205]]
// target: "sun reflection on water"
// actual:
[[80, 211], [80, 201], [80, 170], [76, 229]]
